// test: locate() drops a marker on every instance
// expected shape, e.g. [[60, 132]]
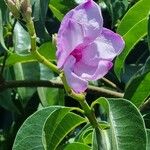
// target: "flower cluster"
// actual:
[[85, 48]]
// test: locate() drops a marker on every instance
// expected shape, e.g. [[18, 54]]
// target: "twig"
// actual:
[[104, 92], [57, 84], [110, 83]]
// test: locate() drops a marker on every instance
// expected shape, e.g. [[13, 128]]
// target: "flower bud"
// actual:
[[14, 7], [26, 10]]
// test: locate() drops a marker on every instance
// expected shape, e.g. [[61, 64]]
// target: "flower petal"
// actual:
[[75, 82], [103, 67], [109, 44], [68, 39], [88, 72], [89, 16], [81, 68], [79, 27]]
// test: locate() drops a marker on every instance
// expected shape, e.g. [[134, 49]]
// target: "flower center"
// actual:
[[77, 54]]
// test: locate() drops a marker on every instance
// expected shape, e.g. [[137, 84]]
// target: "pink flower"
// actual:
[[85, 47]]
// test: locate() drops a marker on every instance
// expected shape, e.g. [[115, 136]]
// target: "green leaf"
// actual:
[[100, 140], [63, 6], [79, 1], [133, 27], [148, 142], [104, 125], [29, 135], [6, 95], [56, 12], [2, 11], [77, 146], [84, 136], [21, 39], [131, 38], [47, 50], [138, 88], [6, 101], [148, 34], [23, 72], [146, 118], [134, 15], [40, 8], [127, 130], [116, 9], [58, 125], [49, 96], [14, 58], [97, 140]]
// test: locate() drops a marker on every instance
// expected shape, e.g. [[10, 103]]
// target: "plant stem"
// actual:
[[32, 33], [89, 113], [34, 52], [44, 61]]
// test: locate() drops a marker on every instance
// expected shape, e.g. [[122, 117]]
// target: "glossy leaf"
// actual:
[[127, 129], [29, 135], [14, 58], [56, 12], [133, 27], [97, 140], [49, 96], [6, 95], [40, 8], [32, 135], [79, 1], [148, 141], [23, 72], [47, 50], [138, 87], [148, 35], [85, 135], [77, 146], [146, 118], [116, 9], [2, 11], [137, 13], [63, 6], [21, 39], [131, 38], [101, 140], [63, 122]]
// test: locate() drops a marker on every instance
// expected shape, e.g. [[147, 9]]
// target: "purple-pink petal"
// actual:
[[71, 36], [112, 44], [89, 72], [75, 82], [79, 27], [103, 67], [85, 48]]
